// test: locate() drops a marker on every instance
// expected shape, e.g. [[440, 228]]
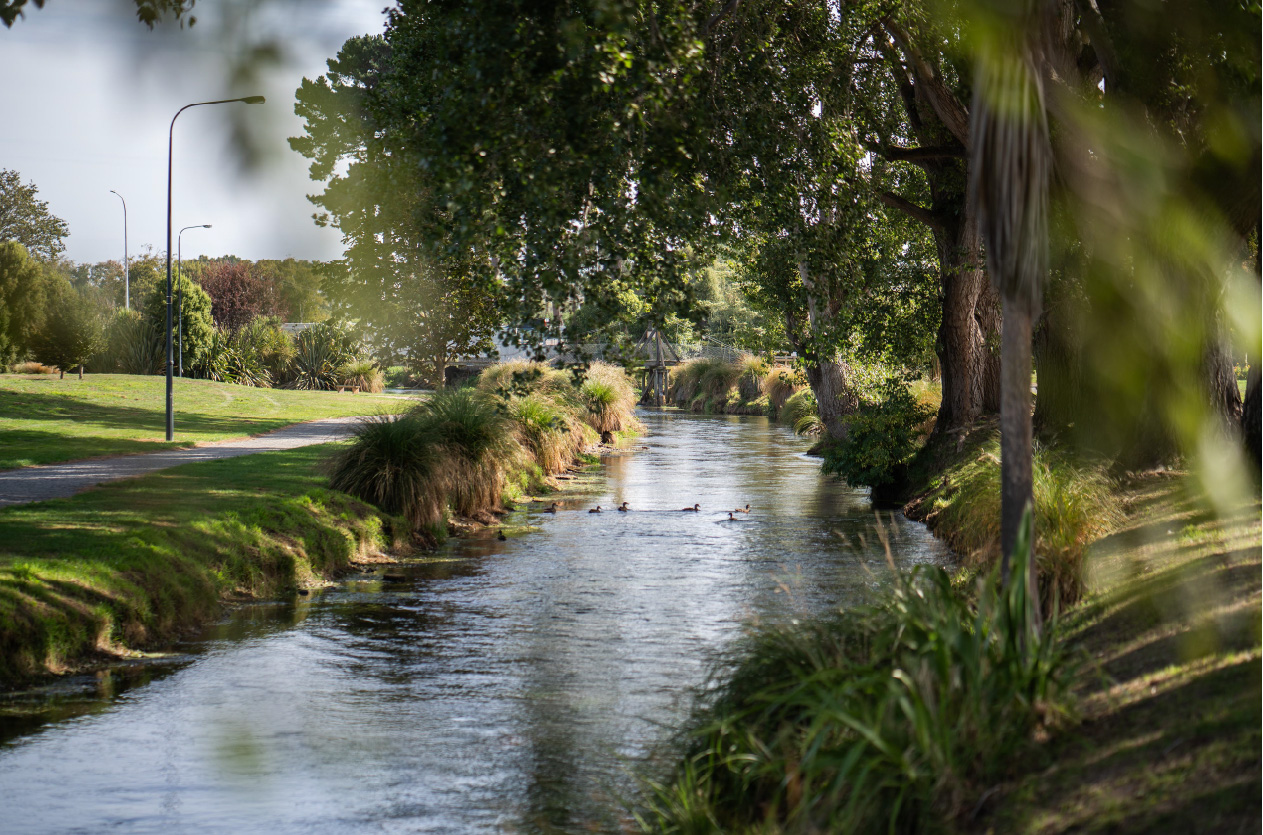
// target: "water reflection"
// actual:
[[508, 686]]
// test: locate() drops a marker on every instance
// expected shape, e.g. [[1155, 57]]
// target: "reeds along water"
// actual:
[[456, 452], [748, 385]]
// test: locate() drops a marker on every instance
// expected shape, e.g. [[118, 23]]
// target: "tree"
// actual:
[[195, 311], [72, 331], [24, 288], [148, 12], [240, 293], [25, 219]]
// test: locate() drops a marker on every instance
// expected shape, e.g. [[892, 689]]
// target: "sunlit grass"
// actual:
[[44, 419]]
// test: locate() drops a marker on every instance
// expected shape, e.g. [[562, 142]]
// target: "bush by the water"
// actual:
[[891, 718], [363, 373], [461, 450], [881, 436]]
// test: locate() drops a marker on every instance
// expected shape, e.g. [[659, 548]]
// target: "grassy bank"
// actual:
[[1137, 711], [746, 386], [137, 563], [463, 452], [44, 420]]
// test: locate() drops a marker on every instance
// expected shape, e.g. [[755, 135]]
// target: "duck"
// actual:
[[732, 518], [500, 536], [694, 509], [623, 508], [596, 509], [745, 509], [552, 508]]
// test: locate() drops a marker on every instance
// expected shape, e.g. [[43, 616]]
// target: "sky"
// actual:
[[89, 94]]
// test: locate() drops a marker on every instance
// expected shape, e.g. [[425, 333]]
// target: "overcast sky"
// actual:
[[88, 96]]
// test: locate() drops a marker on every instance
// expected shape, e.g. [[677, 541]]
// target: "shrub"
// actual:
[[362, 373], [319, 352], [198, 329], [223, 361], [132, 346], [273, 348], [881, 436], [520, 378], [480, 445], [552, 433], [71, 333], [891, 718]]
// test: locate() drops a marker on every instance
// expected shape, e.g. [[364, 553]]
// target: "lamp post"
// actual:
[[179, 303], [170, 358], [127, 287]]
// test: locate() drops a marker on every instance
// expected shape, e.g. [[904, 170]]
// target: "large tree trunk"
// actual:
[[1015, 428], [440, 372], [836, 401], [969, 331]]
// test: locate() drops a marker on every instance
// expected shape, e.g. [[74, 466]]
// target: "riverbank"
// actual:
[[1141, 715], [136, 564], [46, 420]]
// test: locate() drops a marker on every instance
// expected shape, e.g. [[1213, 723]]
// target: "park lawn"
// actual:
[[135, 564], [1170, 692], [44, 419]]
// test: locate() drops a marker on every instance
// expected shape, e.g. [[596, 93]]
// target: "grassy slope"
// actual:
[[136, 563], [44, 420], [1170, 736]]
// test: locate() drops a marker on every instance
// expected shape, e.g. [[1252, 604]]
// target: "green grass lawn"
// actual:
[[1170, 694], [135, 563], [44, 419]]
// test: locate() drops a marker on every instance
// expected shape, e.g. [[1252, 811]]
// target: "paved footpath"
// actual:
[[56, 481]]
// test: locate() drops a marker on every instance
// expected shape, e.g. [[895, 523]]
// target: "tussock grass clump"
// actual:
[[459, 451], [363, 373], [32, 368], [890, 718], [1075, 503], [801, 412], [751, 378], [713, 385], [610, 399], [781, 383]]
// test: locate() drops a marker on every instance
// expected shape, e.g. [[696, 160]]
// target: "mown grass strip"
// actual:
[[44, 420], [136, 563]]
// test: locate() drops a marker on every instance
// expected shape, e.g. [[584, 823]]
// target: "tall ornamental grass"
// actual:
[[456, 452], [892, 718], [1075, 504]]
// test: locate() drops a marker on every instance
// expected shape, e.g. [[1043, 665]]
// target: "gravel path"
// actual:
[[56, 481]]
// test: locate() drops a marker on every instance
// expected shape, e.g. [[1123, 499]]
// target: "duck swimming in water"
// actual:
[[745, 509], [552, 508], [500, 536], [623, 508], [694, 509], [596, 509], [732, 518]]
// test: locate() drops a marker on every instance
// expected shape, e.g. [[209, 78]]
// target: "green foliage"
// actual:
[[24, 290], [1075, 503], [609, 398], [71, 332], [319, 352], [132, 346], [263, 339], [890, 718], [802, 413], [190, 301], [227, 360], [881, 436], [392, 464], [26, 219], [362, 373]]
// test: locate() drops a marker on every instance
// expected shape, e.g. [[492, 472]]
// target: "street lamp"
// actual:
[[127, 287], [170, 358], [179, 303]]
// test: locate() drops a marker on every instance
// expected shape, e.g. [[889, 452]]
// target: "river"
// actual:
[[513, 686]]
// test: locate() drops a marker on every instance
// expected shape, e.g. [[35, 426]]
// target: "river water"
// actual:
[[513, 686]]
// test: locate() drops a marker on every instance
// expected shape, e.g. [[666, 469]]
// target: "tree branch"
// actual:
[[948, 108], [720, 15], [916, 156], [911, 209]]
